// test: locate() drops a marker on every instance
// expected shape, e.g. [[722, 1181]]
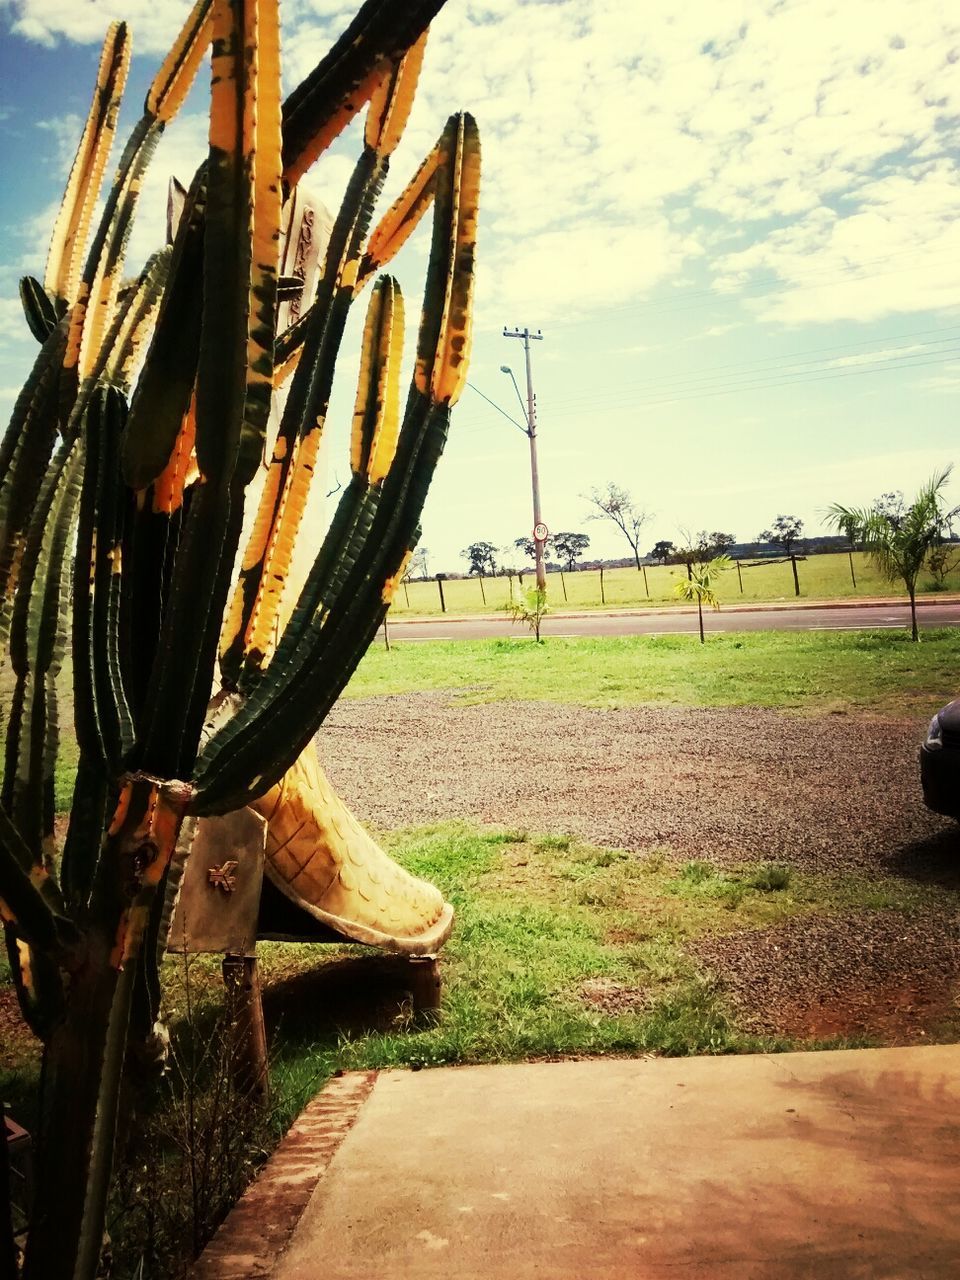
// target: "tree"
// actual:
[[695, 549], [720, 543], [892, 506], [529, 547], [848, 526], [785, 533], [701, 586], [897, 536], [662, 551], [570, 547], [530, 608], [420, 563], [482, 558], [941, 562], [616, 504]]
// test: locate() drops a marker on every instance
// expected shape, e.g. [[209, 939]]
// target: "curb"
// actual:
[[256, 1231]]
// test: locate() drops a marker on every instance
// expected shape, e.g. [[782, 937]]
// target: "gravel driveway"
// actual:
[[830, 793]]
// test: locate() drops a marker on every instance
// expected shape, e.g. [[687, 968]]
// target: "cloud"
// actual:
[[798, 153], [153, 22]]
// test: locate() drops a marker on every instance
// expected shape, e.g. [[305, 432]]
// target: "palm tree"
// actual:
[[848, 526], [899, 546], [701, 585]]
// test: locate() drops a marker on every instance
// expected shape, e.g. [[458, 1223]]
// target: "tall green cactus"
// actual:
[[121, 510]]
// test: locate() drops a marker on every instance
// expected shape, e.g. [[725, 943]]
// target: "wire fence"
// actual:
[[823, 576]]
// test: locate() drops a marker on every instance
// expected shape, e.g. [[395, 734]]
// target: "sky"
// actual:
[[736, 224]]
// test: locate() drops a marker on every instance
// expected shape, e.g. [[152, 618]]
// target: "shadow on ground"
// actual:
[[934, 860], [341, 997]]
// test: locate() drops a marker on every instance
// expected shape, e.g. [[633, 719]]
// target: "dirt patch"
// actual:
[[607, 996], [726, 784], [19, 1047], [865, 973]]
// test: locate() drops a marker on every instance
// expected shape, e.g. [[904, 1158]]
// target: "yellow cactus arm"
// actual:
[[349, 107], [348, 77], [95, 305], [135, 319], [169, 486], [376, 414], [83, 186], [251, 621], [401, 219], [392, 101], [172, 82], [279, 554], [261, 147], [448, 369]]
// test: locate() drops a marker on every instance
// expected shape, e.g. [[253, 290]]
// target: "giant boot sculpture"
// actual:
[[320, 858]]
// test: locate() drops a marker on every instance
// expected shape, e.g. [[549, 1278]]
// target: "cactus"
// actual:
[[142, 486]]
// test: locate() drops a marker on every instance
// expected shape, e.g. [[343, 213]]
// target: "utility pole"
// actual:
[[538, 524]]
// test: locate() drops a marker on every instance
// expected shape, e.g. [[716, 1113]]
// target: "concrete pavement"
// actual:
[[820, 1165]]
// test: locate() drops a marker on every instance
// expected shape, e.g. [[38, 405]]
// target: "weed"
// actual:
[[771, 877], [553, 842], [696, 872], [608, 857]]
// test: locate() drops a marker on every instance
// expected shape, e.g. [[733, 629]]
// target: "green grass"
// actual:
[[822, 577], [863, 671], [537, 917]]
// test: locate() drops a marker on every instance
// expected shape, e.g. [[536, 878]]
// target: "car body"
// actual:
[[940, 762]]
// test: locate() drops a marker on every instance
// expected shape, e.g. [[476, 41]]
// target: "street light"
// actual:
[[505, 368]]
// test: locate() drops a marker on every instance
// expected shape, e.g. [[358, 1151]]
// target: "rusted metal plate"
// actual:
[[220, 890]]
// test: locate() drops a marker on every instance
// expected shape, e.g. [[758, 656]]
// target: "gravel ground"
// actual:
[[862, 973], [828, 794]]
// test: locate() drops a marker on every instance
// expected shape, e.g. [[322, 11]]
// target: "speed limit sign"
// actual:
[[540, 532]]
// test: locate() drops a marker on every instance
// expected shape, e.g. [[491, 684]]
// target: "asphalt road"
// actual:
[[665, 622]]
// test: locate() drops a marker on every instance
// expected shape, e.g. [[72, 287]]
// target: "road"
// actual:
[[668, 622]]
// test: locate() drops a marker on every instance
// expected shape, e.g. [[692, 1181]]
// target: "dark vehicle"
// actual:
[[940, 762]]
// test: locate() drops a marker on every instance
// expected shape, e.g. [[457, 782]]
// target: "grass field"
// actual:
[[822, 577], [868, 671]]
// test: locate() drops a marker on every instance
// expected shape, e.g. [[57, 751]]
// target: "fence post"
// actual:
[[603, 599], [796, 579], [563, 585], [482, 592], [406, 593], [740, 576], [645, 587], [443, 603], [853, 576]]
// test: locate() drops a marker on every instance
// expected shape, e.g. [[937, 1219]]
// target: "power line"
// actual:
[[759, 385], [796, 363], [475, 388], [769, 381], [690, 300]]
